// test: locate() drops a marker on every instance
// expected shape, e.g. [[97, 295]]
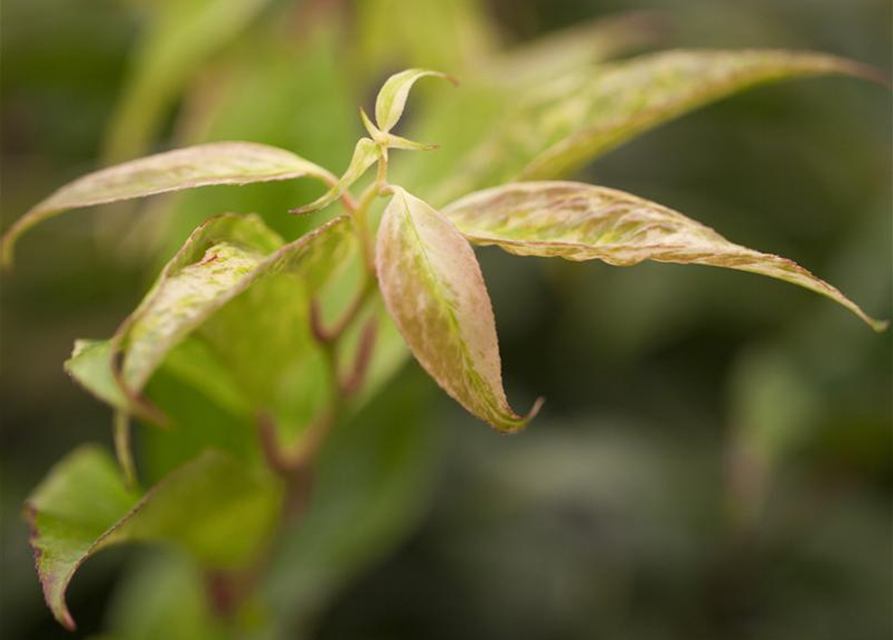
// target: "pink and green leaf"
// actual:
[[216, 163], [434, 290], [580, 222]]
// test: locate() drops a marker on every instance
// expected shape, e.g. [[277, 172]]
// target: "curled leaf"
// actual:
[[365, 154], [433, 289], [392, 97], [217, 163], [578, 222], [213, 506]]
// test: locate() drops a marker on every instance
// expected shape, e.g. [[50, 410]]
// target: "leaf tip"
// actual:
[[7, 242], [880, 326]]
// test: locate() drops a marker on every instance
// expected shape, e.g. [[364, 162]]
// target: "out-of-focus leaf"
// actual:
[[393, 34], [213, 506], [364, 156], [90, 365], [578, 117], [308, 105], [394, 92], [378, 469], [433, 288], [579, 222], [181, 36], [164, 596], [560, 53], [219, 163]]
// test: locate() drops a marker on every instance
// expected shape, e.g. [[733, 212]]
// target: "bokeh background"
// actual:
[[714, 458]]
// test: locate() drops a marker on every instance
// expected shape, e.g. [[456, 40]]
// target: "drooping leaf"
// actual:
[[578, 117], [364, 156], [584, 222], [217, 163], [213, 506], [392, 97], [433, 288]]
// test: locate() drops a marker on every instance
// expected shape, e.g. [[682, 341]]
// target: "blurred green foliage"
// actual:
[[714, 457]]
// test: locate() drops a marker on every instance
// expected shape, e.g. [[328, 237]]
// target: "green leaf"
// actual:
[[433, 289], [180, 37], [392, 97], [216, 163], [212, 506], [554, 54], [365, 154], [578, 117], [90, 365], [229, 318], [217, 261], [578, 222]]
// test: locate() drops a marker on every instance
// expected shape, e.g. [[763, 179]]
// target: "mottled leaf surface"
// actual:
[[216, 163], [228, 316], [584, 222], [433, 288], [215, 263], [578, 117], [213, 506]]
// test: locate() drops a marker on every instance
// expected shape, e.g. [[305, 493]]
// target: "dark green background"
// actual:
[[714, 457]]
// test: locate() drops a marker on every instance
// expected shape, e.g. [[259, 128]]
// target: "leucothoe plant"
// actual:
[[292, 336]]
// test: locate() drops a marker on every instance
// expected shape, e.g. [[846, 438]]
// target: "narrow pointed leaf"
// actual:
[[392, 97], [578, 222], [391, 141], [433, 288], [217, 163], [213, 506], [364, 156], [561, 126]]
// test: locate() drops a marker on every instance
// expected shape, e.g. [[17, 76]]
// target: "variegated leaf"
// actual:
[[433, 289], [584, 222], [365, 154], [217, 163], [392, 97], [562, 125], [214, 506], [209, 272]]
